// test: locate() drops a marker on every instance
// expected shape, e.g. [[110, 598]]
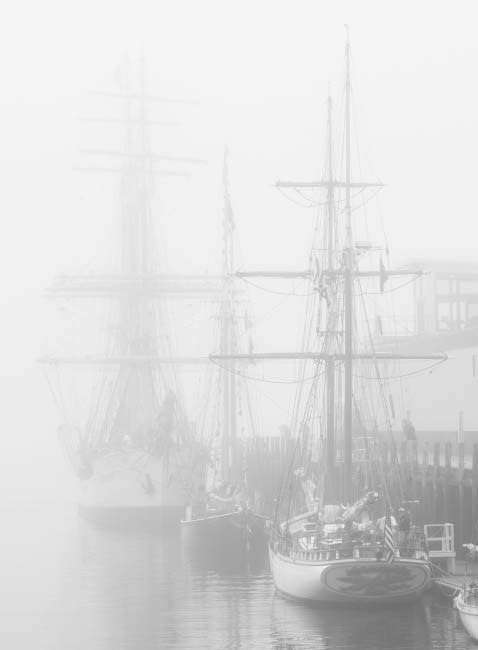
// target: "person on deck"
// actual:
[[409, 430], [404, 523], [285, 540]]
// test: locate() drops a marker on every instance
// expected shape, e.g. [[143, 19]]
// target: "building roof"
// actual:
[[444, 265], [441, 342]]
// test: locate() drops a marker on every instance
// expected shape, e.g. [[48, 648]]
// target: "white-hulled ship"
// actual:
[[333, 553], [346, 562], [466, 601], [467, 605], [134, 451], [320, 549]]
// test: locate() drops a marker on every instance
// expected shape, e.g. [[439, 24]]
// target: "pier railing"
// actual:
[[440, 483]]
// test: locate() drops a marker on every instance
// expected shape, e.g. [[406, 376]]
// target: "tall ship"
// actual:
[[223, 514], [133, 450], [335, 535]]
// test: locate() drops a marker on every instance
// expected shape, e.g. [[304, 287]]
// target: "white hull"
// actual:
[[350, 580], [133, 482], [468, 615]]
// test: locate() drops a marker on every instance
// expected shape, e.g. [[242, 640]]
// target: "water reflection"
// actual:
[[88, 589], [296, 626], [131, 584], [223, 562], [145, 591]]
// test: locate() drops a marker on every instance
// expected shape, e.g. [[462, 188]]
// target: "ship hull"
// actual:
[[353, 581], [133, 487], [468, 615], [229, 534]]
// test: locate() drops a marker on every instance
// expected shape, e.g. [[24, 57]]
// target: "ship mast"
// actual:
[[348, 295], [140, 351], [334, 354], [230, 469], [330, 363]]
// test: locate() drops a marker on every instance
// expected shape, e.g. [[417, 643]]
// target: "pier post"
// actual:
[[437, 488], [448, 450], [425, 501], [436, 459], [460, 528], [425, 456], [448, 489], [474, 484]]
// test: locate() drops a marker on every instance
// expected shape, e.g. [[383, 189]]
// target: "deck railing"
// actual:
[[319, 550], [362, 553]]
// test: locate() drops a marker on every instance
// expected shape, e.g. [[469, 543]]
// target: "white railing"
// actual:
[[440, 539], [441, 543]]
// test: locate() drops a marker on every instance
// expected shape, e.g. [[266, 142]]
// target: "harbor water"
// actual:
[[69, 586]]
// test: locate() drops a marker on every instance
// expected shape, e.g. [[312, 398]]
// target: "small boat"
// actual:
[[467, 605], [221, 515], [236, 532]]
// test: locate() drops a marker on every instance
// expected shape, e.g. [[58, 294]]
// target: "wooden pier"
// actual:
[[438, 481]]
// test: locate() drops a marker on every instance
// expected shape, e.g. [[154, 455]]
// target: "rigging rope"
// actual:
[[278, 293]]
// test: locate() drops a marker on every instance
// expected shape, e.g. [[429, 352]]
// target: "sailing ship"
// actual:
[[322, 550], [466, 601], [222, 515], [467, 605], [134, 452]]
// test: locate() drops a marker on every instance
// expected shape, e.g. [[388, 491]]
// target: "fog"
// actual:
[[255, 76], [260, 72]]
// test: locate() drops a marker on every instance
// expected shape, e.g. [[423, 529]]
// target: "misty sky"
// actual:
[[261, 72]]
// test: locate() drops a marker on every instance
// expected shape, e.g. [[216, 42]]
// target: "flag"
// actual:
[[388, 540]]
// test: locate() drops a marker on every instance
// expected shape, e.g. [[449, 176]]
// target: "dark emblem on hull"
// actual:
[[374, 580]]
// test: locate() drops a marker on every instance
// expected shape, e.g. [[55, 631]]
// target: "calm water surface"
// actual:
[[66, 585]]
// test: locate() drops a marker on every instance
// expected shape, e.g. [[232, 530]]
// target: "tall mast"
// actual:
[[226, 396], [330, 364], [330, 188], [348, 294], [229, 447], [138, 320], [334, 354], [139, 353]]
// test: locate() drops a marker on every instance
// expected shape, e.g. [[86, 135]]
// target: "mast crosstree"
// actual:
[[347, 272], [138, 279], [138, 385]]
